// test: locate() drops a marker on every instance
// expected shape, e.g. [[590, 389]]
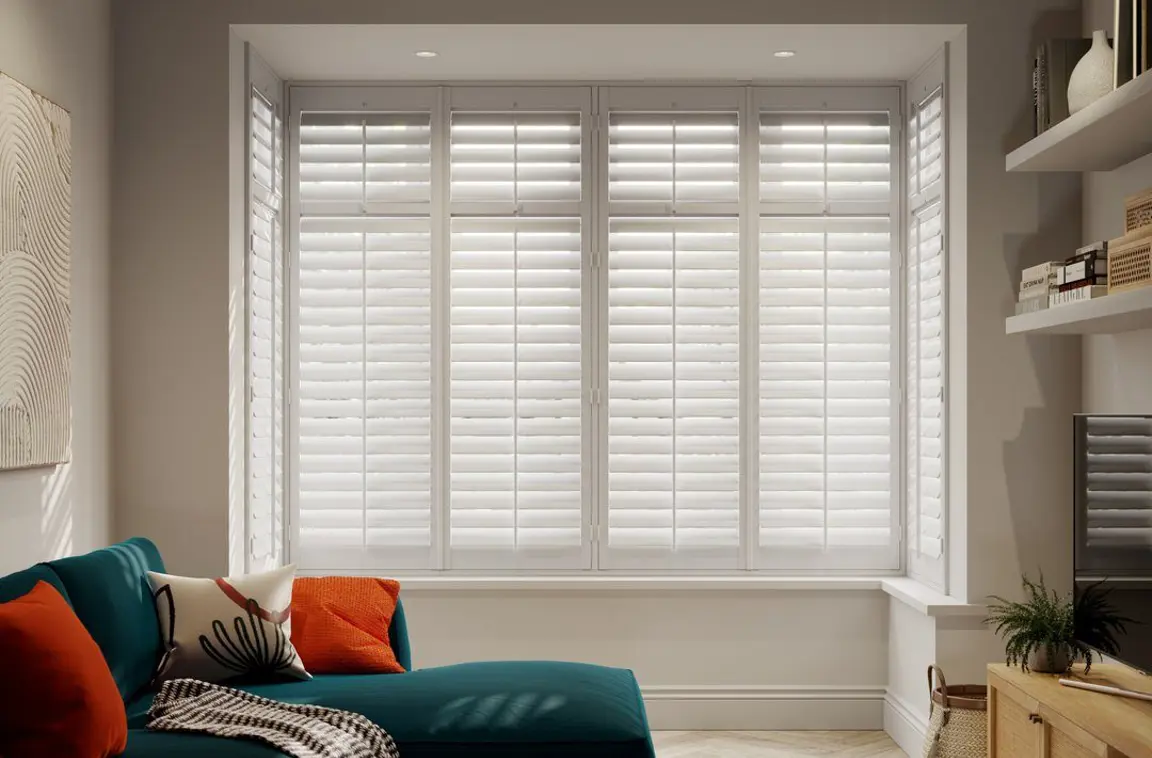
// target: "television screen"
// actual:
[[1113, 523]]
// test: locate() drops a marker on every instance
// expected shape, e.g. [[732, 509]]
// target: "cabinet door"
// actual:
[[1014, 730], [1063, 739]]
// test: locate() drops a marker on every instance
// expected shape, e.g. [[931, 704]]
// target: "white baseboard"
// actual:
[[904, 725], [767, 707]]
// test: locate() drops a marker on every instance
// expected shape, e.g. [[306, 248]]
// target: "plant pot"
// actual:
[[1049, 660]]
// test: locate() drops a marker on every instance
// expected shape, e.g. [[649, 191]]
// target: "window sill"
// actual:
[[622, 583], [915, 595]]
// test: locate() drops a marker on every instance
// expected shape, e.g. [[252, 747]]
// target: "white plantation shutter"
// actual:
[[516, 386], [673, 341], [1114, 494], [266, 338], [516, 159], [527, 333], [826, 343], [924, 390], [516, 345], [364, 353]]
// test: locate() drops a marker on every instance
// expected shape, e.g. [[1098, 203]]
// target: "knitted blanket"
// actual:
[[301, 731]]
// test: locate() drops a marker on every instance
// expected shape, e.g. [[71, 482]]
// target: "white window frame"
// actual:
[[931, 79], [594, 103]]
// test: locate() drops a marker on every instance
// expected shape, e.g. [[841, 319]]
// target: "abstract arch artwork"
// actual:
[[35, 263]]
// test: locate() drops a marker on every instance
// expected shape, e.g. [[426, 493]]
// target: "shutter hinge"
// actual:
[[594, 397], [595, 260]]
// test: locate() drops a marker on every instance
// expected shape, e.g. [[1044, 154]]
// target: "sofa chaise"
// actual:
[[513, 709]]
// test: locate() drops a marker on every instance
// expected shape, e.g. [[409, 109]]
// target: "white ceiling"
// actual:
[[511, 52]]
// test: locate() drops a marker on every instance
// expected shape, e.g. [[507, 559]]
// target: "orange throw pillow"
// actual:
[[59, 695], [340, 624]]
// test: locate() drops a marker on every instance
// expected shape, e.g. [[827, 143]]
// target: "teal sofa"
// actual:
[[514, 709]]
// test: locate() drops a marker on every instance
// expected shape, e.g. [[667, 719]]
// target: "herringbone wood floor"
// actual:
[[775, 745]]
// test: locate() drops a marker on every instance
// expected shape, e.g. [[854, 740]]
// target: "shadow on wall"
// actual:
[[37, 519], [1037, 456]]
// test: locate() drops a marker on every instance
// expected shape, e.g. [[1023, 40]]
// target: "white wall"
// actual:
[[1117, 368], [62, 50], [765, 651]]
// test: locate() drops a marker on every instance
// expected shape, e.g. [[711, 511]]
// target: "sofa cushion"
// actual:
[[515, 709], [110, 593], [21, 583], [59, 696]]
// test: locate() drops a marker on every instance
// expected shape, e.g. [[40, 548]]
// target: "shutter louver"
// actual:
[[1114, 483], [516, 354], [924, 320], [826, 343], [266, 339], [673, 342], [365, 342]]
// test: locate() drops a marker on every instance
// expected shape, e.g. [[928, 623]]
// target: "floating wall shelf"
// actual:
[[1110, 132], [1121, 312]]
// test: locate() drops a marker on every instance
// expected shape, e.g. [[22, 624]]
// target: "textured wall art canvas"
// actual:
[[35, 262]]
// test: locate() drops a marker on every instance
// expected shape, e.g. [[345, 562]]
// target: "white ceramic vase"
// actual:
[[1093, 76]]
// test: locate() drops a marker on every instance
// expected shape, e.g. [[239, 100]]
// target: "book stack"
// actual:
[[1084, 276], [1037, 285]]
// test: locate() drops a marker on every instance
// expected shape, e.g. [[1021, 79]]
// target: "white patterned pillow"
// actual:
[[217, 629]]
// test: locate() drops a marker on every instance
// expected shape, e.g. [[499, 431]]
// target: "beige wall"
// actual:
[[62, 50]]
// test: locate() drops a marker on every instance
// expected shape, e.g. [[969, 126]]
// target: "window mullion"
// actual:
[[749, 157], [441, 336]]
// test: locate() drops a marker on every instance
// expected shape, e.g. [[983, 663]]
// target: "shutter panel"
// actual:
[[362, 161], [673, 342], [365, 343], [926, 382], [1114, 494], [671, 159], [266, 339], [516, 388], [826, 159], [924, 391], [826, 343], [516, 360], [516, 158]]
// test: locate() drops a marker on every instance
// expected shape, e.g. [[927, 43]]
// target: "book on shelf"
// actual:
[[1077, 295], [1085, 269], [1094, 247], [1032, 305], [1052, 67]]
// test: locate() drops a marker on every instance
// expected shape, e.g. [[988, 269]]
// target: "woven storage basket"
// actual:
[[958, 727], [1130, 261], [1138, 211]]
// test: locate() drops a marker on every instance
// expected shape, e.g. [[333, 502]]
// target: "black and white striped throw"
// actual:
[[301, 731]]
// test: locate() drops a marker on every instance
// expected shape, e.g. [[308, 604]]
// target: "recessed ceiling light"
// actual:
[[426, 53], [785, 53]]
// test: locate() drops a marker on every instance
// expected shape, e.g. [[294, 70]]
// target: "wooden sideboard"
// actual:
[[1034, 716]]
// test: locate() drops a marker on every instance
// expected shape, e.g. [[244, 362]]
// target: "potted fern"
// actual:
[[1047, 632]]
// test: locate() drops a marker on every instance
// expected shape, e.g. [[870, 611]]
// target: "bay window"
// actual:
[[598, 329]]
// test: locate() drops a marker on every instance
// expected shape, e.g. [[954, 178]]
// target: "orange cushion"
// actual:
[[340, 624], [59, 697]]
